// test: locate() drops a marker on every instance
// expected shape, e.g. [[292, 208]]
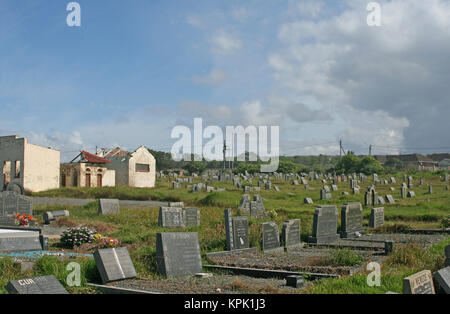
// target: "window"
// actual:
[[142, 168], [17, 173]]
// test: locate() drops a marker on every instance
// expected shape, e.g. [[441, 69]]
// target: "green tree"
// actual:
[[394, 163], [287, 167], [348, 164], [369, 165], [195, 167]]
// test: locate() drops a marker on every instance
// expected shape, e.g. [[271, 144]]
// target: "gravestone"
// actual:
[[240, 232], [175, 185], [376, 217], [351, 220], [308, 200], [442, 279], [236, 231], [447, 255], [270, 237], [381, 200], [276, 188], [171, 217], [108, 207], [191, 217], [403, 191], [334, 187], [176, 204], [291, 234], [16, 240], [295, 281], [390, 199], [420, 283], [178, 254], [114, 264], [410, 183], [430, 189], [325, 225], [411, 194], [51, 216], [12, 203], [36, 285]]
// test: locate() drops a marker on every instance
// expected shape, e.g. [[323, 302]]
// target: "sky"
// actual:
[[136, 69]]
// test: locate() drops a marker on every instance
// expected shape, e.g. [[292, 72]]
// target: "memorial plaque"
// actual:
[[351, 220], [291, 233], [109, 207], [178, 254], [270, 237], [376, 217], [442, 278], [192, 217], [36, 285], [20, 240], [114, 264], [171, 217], [325, 225], [420, 283]]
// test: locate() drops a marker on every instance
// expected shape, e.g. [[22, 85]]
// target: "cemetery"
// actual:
[[227, 240]]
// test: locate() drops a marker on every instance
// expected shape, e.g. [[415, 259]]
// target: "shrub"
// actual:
[[77, 235]]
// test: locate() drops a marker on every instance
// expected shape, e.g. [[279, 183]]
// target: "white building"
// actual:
[[136, 169], [34, 167]]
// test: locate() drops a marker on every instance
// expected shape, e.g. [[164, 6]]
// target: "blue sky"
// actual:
[[134, 69]]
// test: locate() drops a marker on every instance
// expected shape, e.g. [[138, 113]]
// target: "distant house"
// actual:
[[439, 157], [444, 164], [411, 161], [87, 170], [34, 167], [136, 169]]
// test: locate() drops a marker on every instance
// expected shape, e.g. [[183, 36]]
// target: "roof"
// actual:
[[405, 158], [91, 158], [444, 163], [439, 157], [116, 153]]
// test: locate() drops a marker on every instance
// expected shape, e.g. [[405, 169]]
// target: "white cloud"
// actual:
[[215, 77], [224, 43]]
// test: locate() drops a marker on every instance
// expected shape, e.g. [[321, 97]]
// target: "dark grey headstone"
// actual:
[[442, 278], [291, 233], [420, 283], [376, 217], [12, 203], [270, 237], [240, 233], [114, 264], [108, 207], [171, 217], [15, 241], [351, 220], [178, 254], [325, 225], [36, 285]]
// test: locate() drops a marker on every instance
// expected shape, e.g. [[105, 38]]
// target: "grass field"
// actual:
[[137, 228]]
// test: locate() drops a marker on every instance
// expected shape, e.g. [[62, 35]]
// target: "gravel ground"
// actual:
[[302, 260], [218, 284]]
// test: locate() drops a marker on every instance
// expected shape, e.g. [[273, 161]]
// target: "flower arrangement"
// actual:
[[23, 220], [76, 236], [104, 242], [109, 242]]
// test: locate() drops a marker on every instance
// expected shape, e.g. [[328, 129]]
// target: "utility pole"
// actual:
[[370, 150], [224, 151], [340, 149]]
